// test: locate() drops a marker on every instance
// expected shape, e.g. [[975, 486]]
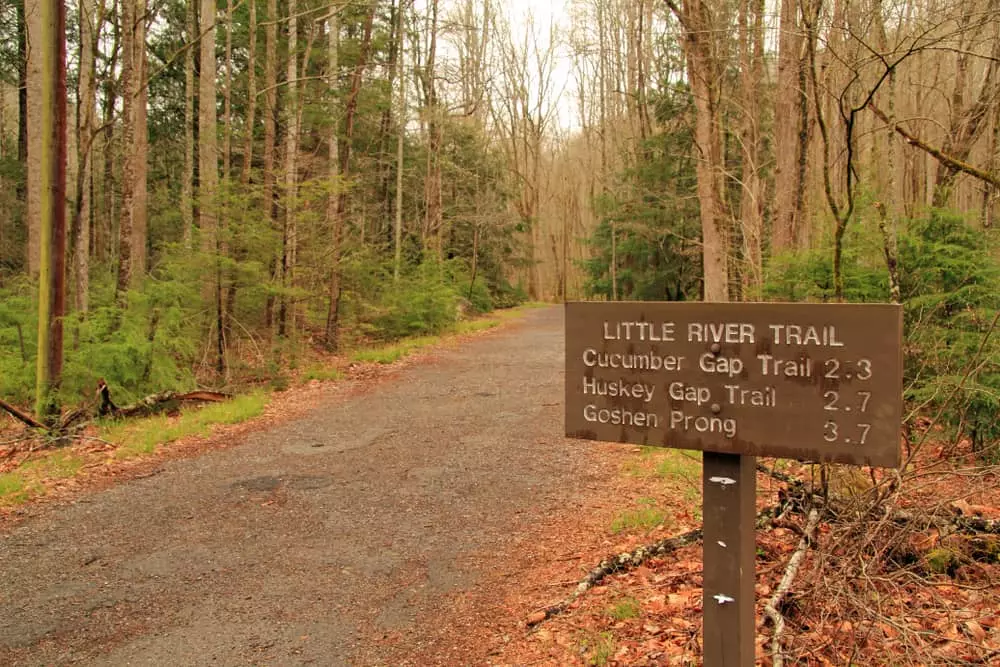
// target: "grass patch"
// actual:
[[599, 648], [676, 463], [15, 488], [139, 437], [321, 373], [647, 517], [665, 463], [387, 354], [625, 609], [23, 484], [480, 324], [60, 465]]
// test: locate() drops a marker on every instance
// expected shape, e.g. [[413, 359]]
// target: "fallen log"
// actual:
[[150, 403], [21, 416]]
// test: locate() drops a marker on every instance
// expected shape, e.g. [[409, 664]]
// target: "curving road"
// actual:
[[343, 537]]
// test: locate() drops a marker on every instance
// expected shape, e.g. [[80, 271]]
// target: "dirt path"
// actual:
[[349, 536]]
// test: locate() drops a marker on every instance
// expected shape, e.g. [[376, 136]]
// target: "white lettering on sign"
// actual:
[[620, 417], [685, 392], [710, 363], [621, 389], [758, 398], [720, 332], [790, 368], [643, 361], [664, 332], [793, 334], [701, 424]]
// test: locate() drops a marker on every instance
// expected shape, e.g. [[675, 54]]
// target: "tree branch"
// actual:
[[771, 608], [936, 153]]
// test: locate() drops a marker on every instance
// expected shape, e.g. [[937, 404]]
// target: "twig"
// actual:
[[620, 563], [771, 608], [632, 559]]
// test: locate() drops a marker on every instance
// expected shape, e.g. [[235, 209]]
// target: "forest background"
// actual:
[[252, 180]]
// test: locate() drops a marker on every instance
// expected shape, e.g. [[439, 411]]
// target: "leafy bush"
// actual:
[[422, 303], [18, 342], [148, 346], [950, 288]]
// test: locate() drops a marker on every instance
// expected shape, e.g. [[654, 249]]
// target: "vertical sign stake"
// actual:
[[729, 511]]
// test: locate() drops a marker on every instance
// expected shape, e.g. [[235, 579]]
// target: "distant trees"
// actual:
[[246, 175]]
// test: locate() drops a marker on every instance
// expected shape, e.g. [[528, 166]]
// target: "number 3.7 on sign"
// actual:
[[831, 433]]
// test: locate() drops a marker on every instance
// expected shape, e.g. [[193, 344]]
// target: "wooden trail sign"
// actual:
[[815, 382]]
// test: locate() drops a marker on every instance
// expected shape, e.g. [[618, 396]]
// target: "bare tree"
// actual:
[[86, 112], [524, 101], [791, 117], [703, 29]]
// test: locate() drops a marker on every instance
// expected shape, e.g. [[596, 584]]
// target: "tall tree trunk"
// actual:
[[140, 197], [290, 235], [33, 131], [85, 114], [333, 218], [344, 154], [400, 134], [432, 193], [51, 48], [789, 98], [270, 132], [385, 127], [128, 89], [705, 76], [602, 86], [187, 182], [227, 100], [132, 222], [752, 195], [104, 239], [22, 120], [208, 169], [251, 95]]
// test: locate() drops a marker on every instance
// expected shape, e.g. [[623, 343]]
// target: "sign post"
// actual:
[[816, 382]]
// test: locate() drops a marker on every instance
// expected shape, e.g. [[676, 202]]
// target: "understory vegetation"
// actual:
[[162, 340]]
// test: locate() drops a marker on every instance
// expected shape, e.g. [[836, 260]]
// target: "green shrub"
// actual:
[[950, 288], [422, 303]]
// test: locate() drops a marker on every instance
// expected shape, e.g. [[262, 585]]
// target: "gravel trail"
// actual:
[[343, 537]]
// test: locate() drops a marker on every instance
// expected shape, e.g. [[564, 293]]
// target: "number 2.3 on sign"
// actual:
[[835, 369]]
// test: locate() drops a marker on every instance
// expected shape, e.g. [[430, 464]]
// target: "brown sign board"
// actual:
[[815, 382]]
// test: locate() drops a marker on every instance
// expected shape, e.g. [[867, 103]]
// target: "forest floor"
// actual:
[[424, 513]]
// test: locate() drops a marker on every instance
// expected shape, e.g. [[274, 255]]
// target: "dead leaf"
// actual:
[[536, 618], [975, 630], [962, 506]]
